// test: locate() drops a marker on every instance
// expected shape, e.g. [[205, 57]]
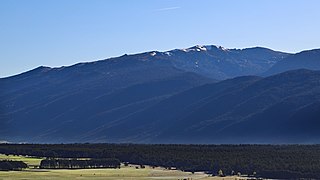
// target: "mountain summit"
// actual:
[[221, 63]]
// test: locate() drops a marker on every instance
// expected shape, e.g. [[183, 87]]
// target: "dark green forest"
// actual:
[[12, 165], [79, 164], [268, 161]]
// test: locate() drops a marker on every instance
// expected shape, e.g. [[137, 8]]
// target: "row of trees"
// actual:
[[79, 164], [6, 165], [270, 161]]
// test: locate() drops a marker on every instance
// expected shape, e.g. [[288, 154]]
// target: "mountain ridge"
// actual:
[[198, 94], [308, 59], [143, 56]]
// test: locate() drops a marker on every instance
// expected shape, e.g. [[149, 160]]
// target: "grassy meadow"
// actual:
[[31, 161], [125, 172]]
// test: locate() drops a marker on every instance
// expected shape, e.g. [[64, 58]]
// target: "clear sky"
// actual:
[[63, 32]]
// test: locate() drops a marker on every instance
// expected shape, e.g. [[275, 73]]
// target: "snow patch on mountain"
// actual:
[[197, 48], [168, 53], [223, 48]]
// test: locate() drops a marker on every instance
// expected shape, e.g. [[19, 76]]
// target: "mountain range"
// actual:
[[201, 94]]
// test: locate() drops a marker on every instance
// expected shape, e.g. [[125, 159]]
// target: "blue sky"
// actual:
[[64, 32]]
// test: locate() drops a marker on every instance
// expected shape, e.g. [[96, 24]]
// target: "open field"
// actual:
[[31, 161], [125, 173]]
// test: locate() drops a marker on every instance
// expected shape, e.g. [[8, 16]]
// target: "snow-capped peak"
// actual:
[[195, 48], [203, 48]]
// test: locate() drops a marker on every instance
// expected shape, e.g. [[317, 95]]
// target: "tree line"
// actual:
[[269, 161], [6, 165], [79, 164]]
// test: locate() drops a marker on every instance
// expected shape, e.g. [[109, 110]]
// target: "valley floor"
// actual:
[[124, 173]]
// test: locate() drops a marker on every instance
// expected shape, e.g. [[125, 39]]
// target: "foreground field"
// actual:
[[31, 161], [125, 173], [109, 174]]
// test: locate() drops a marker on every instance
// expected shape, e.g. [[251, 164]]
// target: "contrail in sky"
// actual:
[[168, 8]]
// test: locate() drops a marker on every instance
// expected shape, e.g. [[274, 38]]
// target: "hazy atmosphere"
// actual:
[[56, 33], [159, 89]]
